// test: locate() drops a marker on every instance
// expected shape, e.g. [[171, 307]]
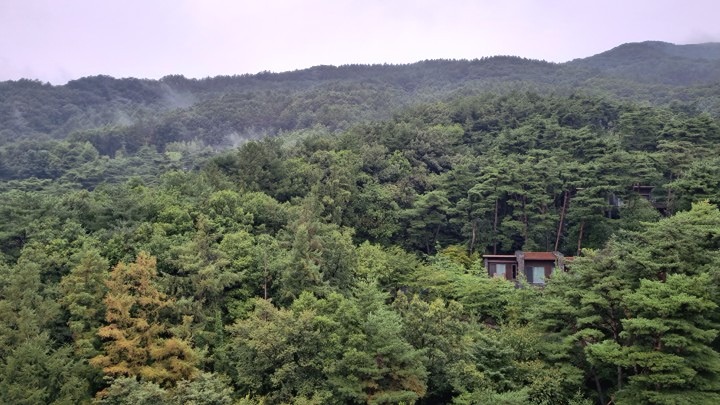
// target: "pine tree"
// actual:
[[667, 338]]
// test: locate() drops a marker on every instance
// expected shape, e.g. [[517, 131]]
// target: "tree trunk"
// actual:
[[580, 236], [474, 236], [601, 397], [265, 282], [495, 224], [562, 220], [525, 220], [669, 209], [435, 237]]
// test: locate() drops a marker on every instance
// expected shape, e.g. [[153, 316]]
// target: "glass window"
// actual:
[[500, 270], [538, 275]]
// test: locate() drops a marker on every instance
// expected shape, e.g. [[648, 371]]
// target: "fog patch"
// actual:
[[122, 118], [19, 118], [701, 37], [174, 99], [236, 139]]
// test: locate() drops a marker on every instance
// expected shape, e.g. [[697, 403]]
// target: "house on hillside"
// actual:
[[536, 266], [646, 193]]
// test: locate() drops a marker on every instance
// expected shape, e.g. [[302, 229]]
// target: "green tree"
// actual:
[[33, 367], [322, 256], [206, 388], [667, 340], [446, 342], [276, 353], [426, 219], [130, 391], [35, 373], [83, 291]]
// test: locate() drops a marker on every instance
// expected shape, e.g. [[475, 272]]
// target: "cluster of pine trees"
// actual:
[[327, 266]]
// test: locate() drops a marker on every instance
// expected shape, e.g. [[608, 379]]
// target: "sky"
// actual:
[[60, 40]]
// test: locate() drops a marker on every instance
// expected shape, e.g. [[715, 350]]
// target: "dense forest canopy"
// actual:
[[317, 236]]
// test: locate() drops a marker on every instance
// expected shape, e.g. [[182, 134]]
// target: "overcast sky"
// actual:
[[61, 40]]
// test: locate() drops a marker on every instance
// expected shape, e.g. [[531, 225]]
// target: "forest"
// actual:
[[316, 237]]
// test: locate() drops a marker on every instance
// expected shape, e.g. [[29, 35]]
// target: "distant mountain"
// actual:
[[658, 62], [129, 113], [636, 51]]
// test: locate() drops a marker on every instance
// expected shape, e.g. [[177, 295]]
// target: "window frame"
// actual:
[[534, 269], [504, 270]]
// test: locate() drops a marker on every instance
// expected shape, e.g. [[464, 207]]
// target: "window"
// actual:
[[535, 274], [538, 275], [500, 270]]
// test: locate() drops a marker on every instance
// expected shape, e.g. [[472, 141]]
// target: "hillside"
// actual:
[[151, 254], [654, 62], [222, 111]]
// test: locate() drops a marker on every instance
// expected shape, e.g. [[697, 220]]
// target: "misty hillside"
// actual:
[[114, 114]]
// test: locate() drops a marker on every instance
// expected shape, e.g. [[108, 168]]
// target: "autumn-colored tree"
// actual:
[[137, 341]]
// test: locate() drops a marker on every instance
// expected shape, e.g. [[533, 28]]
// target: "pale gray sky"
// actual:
[[60, 40]]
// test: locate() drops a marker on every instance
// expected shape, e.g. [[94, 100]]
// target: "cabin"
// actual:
[[646, 193], [536, 266]]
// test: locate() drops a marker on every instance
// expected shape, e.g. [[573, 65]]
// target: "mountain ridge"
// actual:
[[704, 50], [177, 108], [629, 50]]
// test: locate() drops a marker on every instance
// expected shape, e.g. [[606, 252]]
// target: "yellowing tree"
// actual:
[[136, 340]]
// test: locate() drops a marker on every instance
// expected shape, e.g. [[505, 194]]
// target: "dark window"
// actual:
[[535, 274]]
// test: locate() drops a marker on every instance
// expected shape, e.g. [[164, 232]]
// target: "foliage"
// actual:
[[317, 236], [137, 342]]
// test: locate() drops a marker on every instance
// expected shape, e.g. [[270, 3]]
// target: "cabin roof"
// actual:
[[540, 256]]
